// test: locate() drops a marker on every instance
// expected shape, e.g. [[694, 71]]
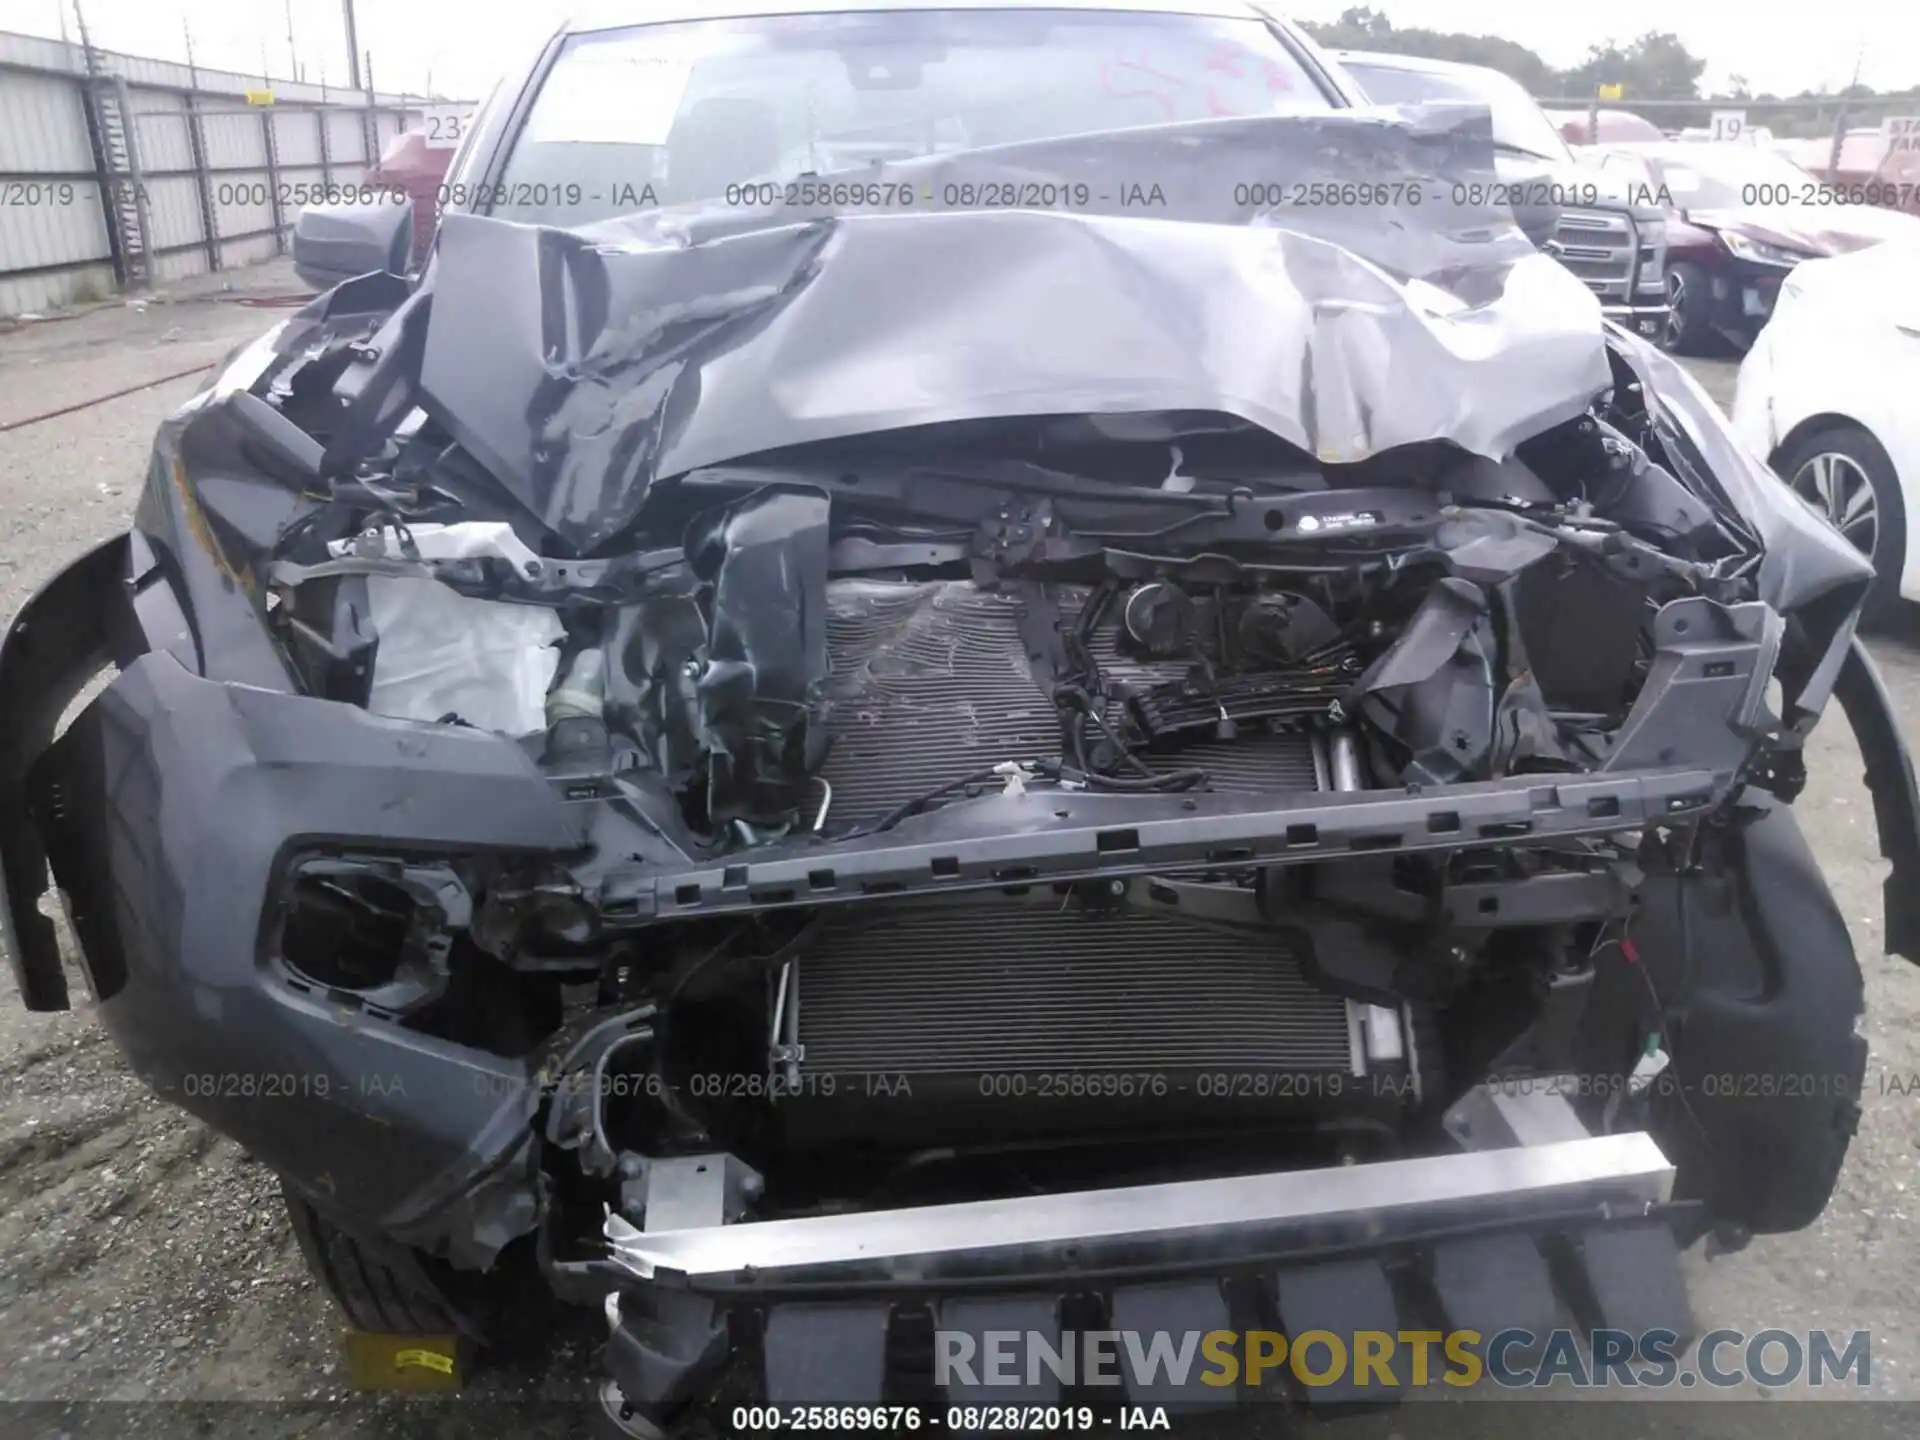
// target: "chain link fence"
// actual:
[[1840, 138]]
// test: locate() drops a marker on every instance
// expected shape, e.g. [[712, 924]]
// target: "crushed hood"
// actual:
[[580, 366]]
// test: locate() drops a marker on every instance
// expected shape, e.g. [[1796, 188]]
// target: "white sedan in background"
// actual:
[[1830, 394]]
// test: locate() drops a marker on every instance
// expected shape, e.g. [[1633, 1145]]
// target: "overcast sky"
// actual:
[[460, 44], [1782, 47]]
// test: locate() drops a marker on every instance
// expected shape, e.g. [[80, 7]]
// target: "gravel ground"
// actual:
[[145, 1263]]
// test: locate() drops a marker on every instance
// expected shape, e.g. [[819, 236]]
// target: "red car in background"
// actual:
[[401, 202], [1616, 127], [1740, 217], [419, 169], [1869, 167]]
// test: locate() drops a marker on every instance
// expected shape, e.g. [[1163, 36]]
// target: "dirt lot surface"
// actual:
[[148, 1283]]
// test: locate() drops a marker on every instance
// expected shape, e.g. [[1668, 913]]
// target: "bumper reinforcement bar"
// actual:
[[1183, 1221]]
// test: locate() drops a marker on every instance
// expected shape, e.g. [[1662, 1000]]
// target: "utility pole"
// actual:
[[353, 44], [1840, 120], [293, 56]]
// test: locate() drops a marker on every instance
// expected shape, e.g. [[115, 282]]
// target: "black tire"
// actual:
[[1853, 452], [606, 1420], [1688, 330], [389, 1288]]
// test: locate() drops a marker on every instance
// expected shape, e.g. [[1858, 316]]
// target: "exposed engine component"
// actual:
[[1282, 628], [576, 713], [767, 662], [1176, 708], [1344, 760], [1159, 619]]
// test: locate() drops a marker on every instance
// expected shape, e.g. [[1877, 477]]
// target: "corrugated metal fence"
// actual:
[[118, 171]]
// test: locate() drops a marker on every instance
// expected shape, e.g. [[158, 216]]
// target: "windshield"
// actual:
[[1517, 121], [662, 114], [1732, 177]]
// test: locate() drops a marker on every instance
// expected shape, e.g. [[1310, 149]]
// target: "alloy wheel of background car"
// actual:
[[1837, 487], [1676, 297], [1686, 331], [1842, 472]]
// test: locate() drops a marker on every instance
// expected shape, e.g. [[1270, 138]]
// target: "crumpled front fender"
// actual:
[[1890, 781], [168, 811]]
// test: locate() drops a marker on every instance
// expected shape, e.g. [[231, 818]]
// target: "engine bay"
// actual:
[[824, 647], [810, 658]]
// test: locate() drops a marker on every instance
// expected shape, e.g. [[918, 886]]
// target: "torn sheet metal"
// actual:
[[1807, 569], [581, 366], [761, 689], [1804, 558], [1434, 689]]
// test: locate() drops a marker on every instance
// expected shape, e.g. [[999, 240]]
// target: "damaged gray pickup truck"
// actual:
[[837, 753]]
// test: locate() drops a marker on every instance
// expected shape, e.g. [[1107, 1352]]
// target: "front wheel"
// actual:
[[388, 1288], [1688, 330], [1845, 475]]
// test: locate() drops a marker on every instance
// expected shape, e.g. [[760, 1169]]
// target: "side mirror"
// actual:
[[332, 243]]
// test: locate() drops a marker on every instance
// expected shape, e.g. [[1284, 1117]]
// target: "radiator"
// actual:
[[930, 684], [1025, 1015]]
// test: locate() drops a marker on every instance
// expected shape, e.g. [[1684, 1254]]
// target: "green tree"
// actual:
[[1654, 67], [1365, 20], [1364, 28]]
